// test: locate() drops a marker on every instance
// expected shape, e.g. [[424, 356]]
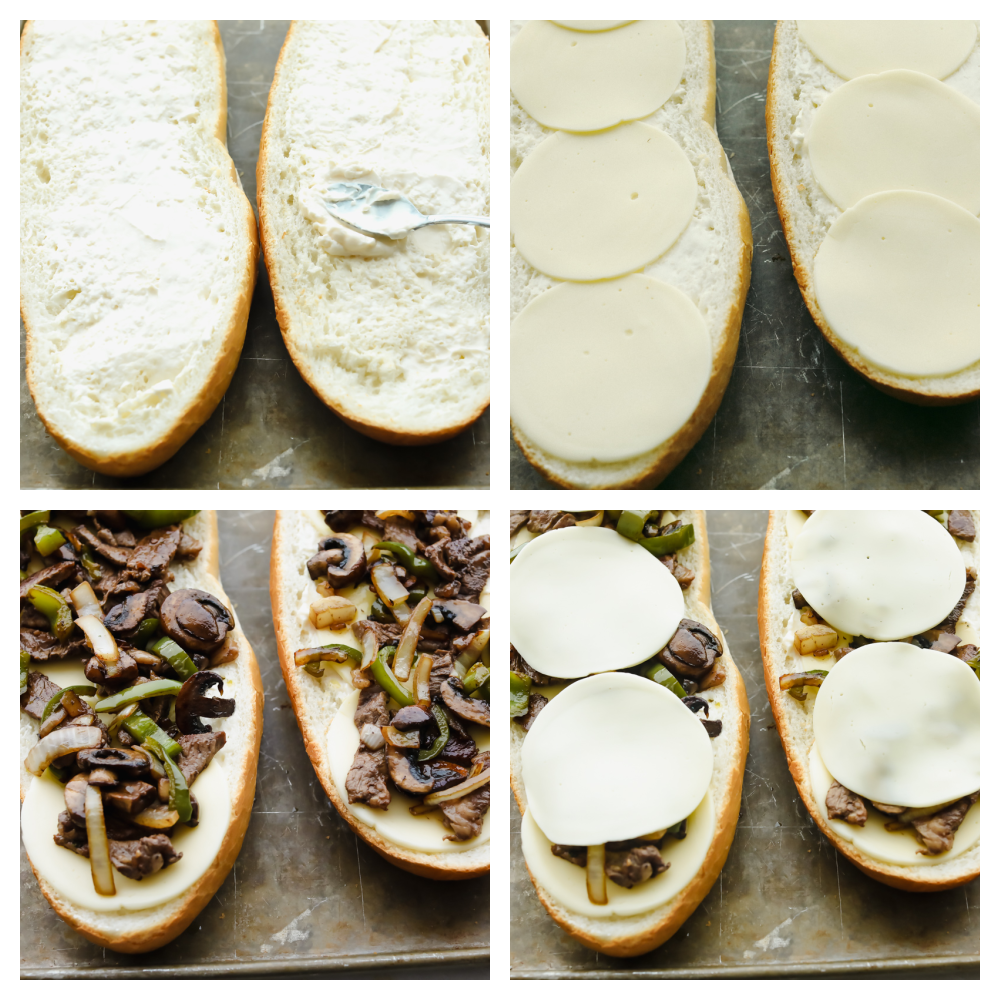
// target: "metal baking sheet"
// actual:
[[306, 896], [786, 904], [270, 431], [795, 416]]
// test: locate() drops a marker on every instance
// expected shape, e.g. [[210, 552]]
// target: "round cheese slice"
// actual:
[[853, 48], [584, 207], [69, 874], [583, 82], [897, 278], [612, 757], [899, 724], [898, 130], [592, 25], [587, 600], [882, 574], [587, 367]]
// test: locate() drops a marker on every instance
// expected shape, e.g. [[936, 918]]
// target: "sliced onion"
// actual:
[[97, 840], [85, 601], [408, 514], [53, 722], [457, 791], [227, 652], [596, 521], [473, 651], [421, 810], [402, 614], [387, 585], [403, 661], [369, 649], [102, 642], [597, 887], [115, 724], [422, 680], [158, 817], [371, 736], [69, 739], [407, 741]]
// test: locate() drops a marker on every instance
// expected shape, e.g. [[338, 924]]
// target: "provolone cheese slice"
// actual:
[[853, 48], [614, 756], [587, 600], [898, 130], [587, 366], [883, 574], [584, 207], [583, 82], [592, 25], [417, 833], [69, 873], [895, 847], [567, 883], [897, 277], [900, 724]]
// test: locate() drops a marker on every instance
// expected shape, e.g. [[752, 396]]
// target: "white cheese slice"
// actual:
[[853, 48], [895, 847], [900, 725], [587, 600], [610, 343], [883, 574], [567, 883], [615, 756], [898, 130], [897, 278], [396, 824], [796, 521], [69, 874], [592, 25], [583, 82], [584, 207]]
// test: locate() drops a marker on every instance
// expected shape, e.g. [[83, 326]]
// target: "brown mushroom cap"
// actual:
[[473, 709], [341, 558], [464, 615], [195, 620], [691, 651], [194, 702]]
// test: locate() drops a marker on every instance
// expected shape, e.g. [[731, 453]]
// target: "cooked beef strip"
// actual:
[[111, 585], [384, 634], [366, 780], [40, 691], [125, 618], [117, 555], [962, 525], [123, 539], [153, 555], [398, 529], [187, 548], [440, 672], [887, 809], [540, 521], [712, 726], [632, 867], [48, 577], [574, 855], [373, 707], [950, 623], [937, 832], [519, 665], [136, 858], [44, 646], [536, 703], [967, 653], [32, 618], [131, 797], [683, 575], [464, 816], [518, 519], [437, 554], [197, 752], [69, 835], [842, 803], [341, 520], [113, 519]]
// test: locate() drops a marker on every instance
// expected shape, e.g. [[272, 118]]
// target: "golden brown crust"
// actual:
[[709, 110], [416, 862], [923, 879]]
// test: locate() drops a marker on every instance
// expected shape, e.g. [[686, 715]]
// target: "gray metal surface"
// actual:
[[270, 431], [786, 903], [305, 896], [795, 416]]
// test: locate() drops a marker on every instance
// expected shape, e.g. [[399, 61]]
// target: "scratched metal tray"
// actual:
[[270, 431], [795, 416], [785, 905], [305, 898]]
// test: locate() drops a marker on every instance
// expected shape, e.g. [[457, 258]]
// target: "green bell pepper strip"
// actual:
[[159, 518], [51, 604], [631, 522], [663, 545], [311, 660], [520, 691], [380, 613], [387, 679], [476, 678], [141, 727], [48, 539], [34, 519], [657, 672], [678, 830], [180, 794], [146, 630], [174, 655], [417, 565], [25, 661], [90, 564], [516, 552], [444, 731], [139, 692], [50, 705], [417, 594]]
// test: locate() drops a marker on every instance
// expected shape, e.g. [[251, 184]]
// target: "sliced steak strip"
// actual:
[[540, 521], [842, 803], [373, 707], [937, 832], [136, 858], [518, 519], [950, 623], [632, 867], [154, 553], [197, 752], [44, 646], [962, 525], [40, 691], [464, 816], [536, 703], [117, 555], [48, 577], [366, 780]]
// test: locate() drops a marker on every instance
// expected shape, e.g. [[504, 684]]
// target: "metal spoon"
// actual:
[[376, 211]]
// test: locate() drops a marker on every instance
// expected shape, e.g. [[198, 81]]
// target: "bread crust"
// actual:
[[137, 463], [914, 879], [384, 432], [442, 867], [726, 796], [182, 910], [782, 185]]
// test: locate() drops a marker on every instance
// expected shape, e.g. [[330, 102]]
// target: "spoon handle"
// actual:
[[465, 220]]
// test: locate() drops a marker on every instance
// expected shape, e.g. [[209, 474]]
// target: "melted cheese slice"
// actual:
[[592, 25], [853, 48], [895, 847], [883, 574], [586, 600], [586, 760], [900, 725], [584, 207], [583, 82], [897, 278], [567, 883], [896, 130], [69, 874], [610, 344], [396, 824]]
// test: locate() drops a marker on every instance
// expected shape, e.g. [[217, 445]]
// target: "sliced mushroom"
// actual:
[[405, 774], [114, 675], [473, 709], [73, 793], [123, 619], [462, 614], [411, 717], [195, 620], [193, 702], [103, 777], [691, 651], [125, 763], [341, 559]]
